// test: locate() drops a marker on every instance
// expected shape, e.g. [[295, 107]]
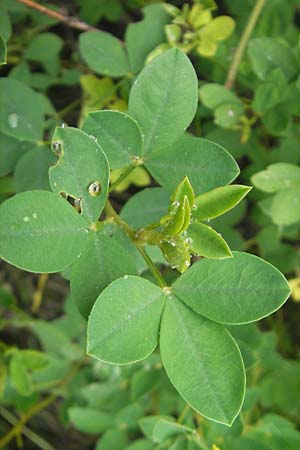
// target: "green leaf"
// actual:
[[160, 428], [3, 51], [128, 417], [11, 150], [214, 95], [228, 114], [124, 323], [33, 359], [143, 381], [140, 444], [163, 99], [203, 362], [184, 189], [179, 217], [104, 53], [146, 207], [103, 261], [205, 241], [206, 164], [176, 250], [82, 170], [267, 95], [236, 290], [285, 206], [21, 111], [112, 440], [5, 23], [45, 48], [218, 201], [277, 177], [143, 36], [267, 53], [118, 134], [32, 169], [90, 421], [35, 227], [20, 377]]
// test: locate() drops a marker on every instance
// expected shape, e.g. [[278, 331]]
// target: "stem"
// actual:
[[18, 427], [32, 411], [122, 177], [38, 294], [184, 413], [232, 73], [72, 22], [152, 267], [110, 211], [34, 437]]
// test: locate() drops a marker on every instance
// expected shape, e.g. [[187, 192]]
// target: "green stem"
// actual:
[[36, 408], [122, 177], [110, 211], [152, 267], [31, 435], [232, 73], [184, 413]]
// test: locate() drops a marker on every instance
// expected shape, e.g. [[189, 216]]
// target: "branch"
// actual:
[[232, 73], [71, 21]]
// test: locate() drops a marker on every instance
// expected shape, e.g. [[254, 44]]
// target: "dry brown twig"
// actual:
[[70, 21]]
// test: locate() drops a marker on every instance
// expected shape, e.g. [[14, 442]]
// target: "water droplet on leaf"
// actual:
[[13, 120]]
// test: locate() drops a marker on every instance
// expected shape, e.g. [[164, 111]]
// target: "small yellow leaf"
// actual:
[[295, 288]]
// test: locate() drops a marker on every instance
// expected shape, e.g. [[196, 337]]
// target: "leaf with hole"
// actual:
[[41, 232], [81, 171], [121, 148]]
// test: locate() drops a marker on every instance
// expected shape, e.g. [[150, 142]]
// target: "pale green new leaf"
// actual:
[[218, 201], [124, 322], [82, 170], [21, 111], [41, 232], [205, 241], [104, 53], [203, 362], [236, 290], [118, 134], [206, 164], [163, 99], [103, 261], [277, 177]]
